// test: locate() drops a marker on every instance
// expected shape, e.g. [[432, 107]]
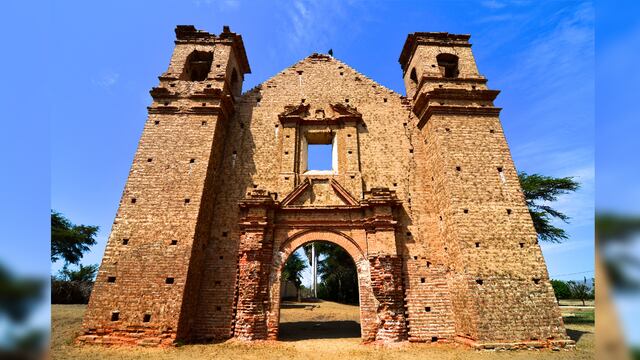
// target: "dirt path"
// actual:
[[323, 331]]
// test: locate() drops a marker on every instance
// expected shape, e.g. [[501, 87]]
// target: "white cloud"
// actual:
[[106, 80]]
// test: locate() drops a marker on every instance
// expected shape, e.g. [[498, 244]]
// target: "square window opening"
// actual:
[[321, 152]]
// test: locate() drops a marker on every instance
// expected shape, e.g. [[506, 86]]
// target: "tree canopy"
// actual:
[[69, 241], [293, 269], [539, 190]]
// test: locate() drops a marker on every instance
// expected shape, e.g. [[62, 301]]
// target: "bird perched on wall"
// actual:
[[330, 52]]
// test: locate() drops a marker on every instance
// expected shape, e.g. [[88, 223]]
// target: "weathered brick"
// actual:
[[423, 195]]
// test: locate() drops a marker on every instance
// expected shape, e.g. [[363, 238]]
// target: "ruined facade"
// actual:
[[423, 194]]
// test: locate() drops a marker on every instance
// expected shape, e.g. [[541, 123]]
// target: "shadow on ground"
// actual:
[[304, 330], [575, 335]]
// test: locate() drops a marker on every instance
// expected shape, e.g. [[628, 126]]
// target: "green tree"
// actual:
[[539, 190], [338, 275], [580, 290], [616, 229], [69, 241], [18, 299], [82, 274], [561, 289], [293, 271]]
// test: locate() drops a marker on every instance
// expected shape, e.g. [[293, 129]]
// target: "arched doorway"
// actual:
[[290, 245]]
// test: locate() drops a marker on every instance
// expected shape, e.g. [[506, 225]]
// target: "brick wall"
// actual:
[[423, 195]]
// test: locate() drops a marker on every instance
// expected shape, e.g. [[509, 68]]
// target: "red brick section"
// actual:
[[254, 265], [423, 195], [386, 283]]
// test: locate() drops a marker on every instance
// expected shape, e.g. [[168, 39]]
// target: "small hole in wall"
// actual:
[[341, 73], [427, 309], [146, 318], [408, 233], [125, 241], [458, 168], [404, 124], [440, 86], [218, 308], [217, 282], [174, 242], [346, 100], [302, 100], [473, 87], [499, 168], [234, 153], [466, 211], [288, 136], [166, 103], [191, 161], [447, 129], [156, 122], [255, 186], [225, 234], [428, 264], [422, 280], [208, 86], [521, 245], [258, 100], [277, 125], [287, 153], [348, 135], [115, 316], [440, 218], [286, 178], [172, 85], [434, 339], [384, 99], [352, 176], [204, 104], [477, 244], [395, 184], [186, 201], [410, 151], [221, 257], [204, 123], [479, 281], [350, 152], [169, 280], [536, 281], [508, 211], [111, 279], [217, 65], [133, 200], [415, 258], [446, 248], [299, 72], [491, 131]]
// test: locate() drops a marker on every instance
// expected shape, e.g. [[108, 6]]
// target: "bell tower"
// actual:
[[479, 222], [147, 286]]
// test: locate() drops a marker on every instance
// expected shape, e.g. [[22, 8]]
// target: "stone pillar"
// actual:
[[254, 265], [385, 264]]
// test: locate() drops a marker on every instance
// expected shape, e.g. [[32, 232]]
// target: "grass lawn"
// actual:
[[323, 330]]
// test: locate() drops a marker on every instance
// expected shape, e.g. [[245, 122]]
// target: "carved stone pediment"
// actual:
[[344, 110], [305, 114], [299, 111]]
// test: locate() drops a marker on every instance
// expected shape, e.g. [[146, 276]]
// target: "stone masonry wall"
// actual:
[[423, 195]]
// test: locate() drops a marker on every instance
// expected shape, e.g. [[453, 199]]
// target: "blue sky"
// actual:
[[101, 59]]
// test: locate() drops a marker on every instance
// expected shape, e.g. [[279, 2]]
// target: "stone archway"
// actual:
[[367, 303], [270, 232]]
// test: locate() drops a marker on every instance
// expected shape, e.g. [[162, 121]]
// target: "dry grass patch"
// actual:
[[66, 320]]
